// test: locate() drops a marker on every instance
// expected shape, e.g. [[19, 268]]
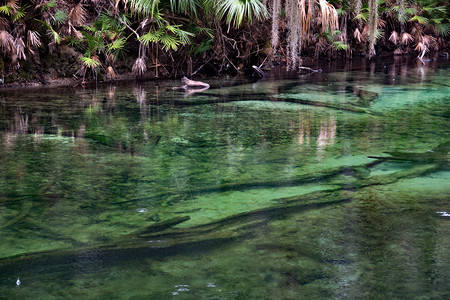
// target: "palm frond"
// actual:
[[238, 10], [33, 39], [169, 42], [90, 62], [203, 47], [117, 45], [442, 29], [47, 5], [362, 16], [329, 16], [144, 7], [428, 40], [4, 24], [77, 15], [420, 47], [7, 42], [20, 13], [358, 35], [59, 17], [20, 48], [184, 6], [394, 37], [139, 66], [339, 45], [406, 38], [420, 19]]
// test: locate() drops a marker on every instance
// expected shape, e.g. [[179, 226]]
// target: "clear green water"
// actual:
[[283, 199]]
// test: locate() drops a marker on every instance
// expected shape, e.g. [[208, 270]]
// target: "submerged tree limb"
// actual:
[[263, 97], [259, 184], [161, 239]]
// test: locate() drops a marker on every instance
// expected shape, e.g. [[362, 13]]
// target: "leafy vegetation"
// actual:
[[184, 37]]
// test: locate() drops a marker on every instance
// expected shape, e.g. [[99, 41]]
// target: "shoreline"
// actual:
[[323, 65]]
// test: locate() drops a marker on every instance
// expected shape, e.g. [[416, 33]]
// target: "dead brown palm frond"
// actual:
[[14, 4], [33, 39], [329, 16], [4, 24], [139, 66], [20, 48], [381, 23], [77, 33], [357, 35], [420, 47], [428, 40], [77, 15], [406, 38], [110, 74], [305, 18], [365, 32], [394, 38], [398, 51], [7, 42]]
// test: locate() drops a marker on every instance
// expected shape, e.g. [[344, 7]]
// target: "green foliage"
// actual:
[[50, 4], [363, 16], [90, 62], [20, 13], [60, 17], [442, 29], [339, 45], [203, 47], [235, 11], [184, 6], [7, 10], [51, 32], [169, 36], [420, 19], [106, 36]]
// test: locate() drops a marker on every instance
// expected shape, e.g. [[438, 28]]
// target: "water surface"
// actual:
[[253, 189]]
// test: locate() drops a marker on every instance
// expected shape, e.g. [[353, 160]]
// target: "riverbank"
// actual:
[[53, 76]]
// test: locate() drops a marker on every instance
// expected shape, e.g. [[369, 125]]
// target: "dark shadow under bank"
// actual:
[[376, 64]]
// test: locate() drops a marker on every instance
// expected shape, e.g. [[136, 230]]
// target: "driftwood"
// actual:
[[259, 71], [310, 69], [192, 84]]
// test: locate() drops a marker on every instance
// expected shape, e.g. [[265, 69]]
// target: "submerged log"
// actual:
[[438, 154], [258, 184], [162, 239]]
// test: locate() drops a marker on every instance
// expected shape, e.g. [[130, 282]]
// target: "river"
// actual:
[[330, 185]]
